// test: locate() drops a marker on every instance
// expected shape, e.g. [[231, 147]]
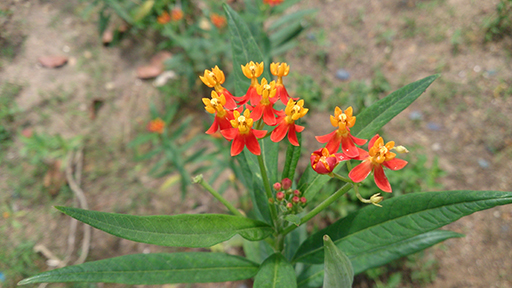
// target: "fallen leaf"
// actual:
[[148, 72], [159, 59], [107, 37], [53, 61]]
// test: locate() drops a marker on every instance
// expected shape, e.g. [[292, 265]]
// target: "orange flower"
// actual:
[[242, 134], [280, 70], [214, 79], [344, 121], [222, 117], [156, 126], [164, 18], [273, 2], [294, 111], [252, 71], [218, 20], [324, 162], [176, 14], [378, 156], [267, 93]]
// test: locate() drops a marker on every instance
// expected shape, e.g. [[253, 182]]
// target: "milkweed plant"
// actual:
[[278, 250]]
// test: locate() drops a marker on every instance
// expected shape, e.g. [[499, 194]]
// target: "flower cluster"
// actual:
[[324, 160], [288, 200], [241, 119], [156, 126], [175, 15]]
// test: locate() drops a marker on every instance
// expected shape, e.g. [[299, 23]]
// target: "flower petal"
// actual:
[[395, 164], [372, 141], [279, 132], [252, 143], [214, 127], [358, 141], [238, 144], [361, 171], [292, 136], [348, 147], [362, 154], [380, 179], [325, 138], [268, 115], [259, 133], [299, 128], [229, 134]]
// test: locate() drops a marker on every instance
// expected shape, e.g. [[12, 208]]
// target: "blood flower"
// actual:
[[294, 111], [379, 155], [176, 14], [242, 134], [280, 70], [265, 107], [273, 2], [324, 162], [218, 20], [344, 121], [252, 71], [164, 18], [222, 117], [214, 79], [156, 126]]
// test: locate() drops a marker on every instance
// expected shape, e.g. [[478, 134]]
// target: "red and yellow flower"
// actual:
[[164, 18], [156, 126], [214, 79], [379, 155], [176, 14], [344, 121], [294, 111], [252, 71], [265, 108], [242, 134], [218, 20], [280, 70], [324, 162], [222, 117]]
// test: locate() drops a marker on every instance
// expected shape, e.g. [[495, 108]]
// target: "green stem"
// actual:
[[199, 179], [268, 190], [344, 189], [338, 176]]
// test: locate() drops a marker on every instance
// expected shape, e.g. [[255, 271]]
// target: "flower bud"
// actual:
[[286, 184], [277, 186], [303, 200], [295, 199], [376, 199], [280, 196], [296, 192], [401, 149], [289, 205]]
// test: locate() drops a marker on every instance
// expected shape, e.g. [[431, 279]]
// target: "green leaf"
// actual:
[[372, 230], [292, 218], [381, 112], [313, 275], [275, 272], [151, 269], [244, 47], [338, 269], [319, 180], [186, 230], [292, 158], [292, 17], [270, 154], [257, 251]]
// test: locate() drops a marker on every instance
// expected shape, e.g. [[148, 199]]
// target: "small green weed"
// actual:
[[500, 24], [18, 262], [8, 109]]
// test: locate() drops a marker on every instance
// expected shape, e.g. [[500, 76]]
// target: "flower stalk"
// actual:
[[199, 180]]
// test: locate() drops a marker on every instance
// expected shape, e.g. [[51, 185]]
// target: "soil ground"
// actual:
[[465, 117]]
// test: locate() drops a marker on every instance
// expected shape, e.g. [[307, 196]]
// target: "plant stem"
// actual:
[[338, 176], [344, 189], [199, 179], [268, 190]]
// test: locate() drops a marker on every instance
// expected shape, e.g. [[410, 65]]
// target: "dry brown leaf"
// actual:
[[159, 59]]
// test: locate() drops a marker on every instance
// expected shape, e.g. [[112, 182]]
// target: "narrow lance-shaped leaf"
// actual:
[[276, 272], [153, 269], [186, 230], [338, 269], [292, 158], [313, 275], [244, 47], [401, 219], [381, 112]]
